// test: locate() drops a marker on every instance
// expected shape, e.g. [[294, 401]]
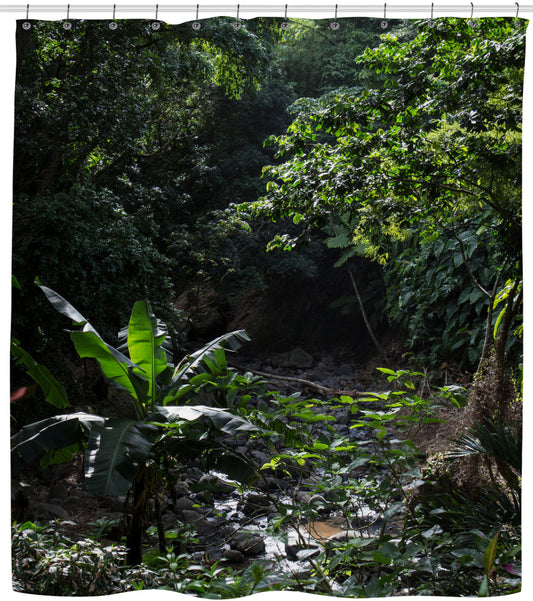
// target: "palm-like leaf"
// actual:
[[499, 441]]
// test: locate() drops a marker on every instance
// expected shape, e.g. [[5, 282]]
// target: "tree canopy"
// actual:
[[430, 157]]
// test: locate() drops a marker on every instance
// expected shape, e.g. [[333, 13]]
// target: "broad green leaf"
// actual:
[[116, 367], [116, 450], [66, 309], [208, 357], [145, 338], [220, 418], [54, 392], [490, 554], [50, 434]]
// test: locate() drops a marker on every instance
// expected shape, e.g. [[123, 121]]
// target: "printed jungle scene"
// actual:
[[266, 328]]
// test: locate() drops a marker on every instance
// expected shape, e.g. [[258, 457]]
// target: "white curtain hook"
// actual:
[[196, 24], [113, 24], [516, 19], [431, 22], [335, 25], [237, 25], [27, 25], [384, 23], [156, 24], [285, 23], [67, 24], [471, 21]]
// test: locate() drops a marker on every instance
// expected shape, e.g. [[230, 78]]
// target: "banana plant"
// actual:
[[120, 452]]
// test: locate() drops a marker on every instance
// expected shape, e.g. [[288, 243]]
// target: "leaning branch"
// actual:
[[323, 389]]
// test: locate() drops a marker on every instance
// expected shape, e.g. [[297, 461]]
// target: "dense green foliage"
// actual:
[[428, 163], [167, 172]]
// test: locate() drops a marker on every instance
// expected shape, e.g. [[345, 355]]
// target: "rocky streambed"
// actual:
[[212, 518]]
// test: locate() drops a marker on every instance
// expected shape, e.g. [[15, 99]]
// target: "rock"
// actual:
[[233, 556], [256, 505], [50, 511], [212, 483], [183, 503], [195, 518], [249, 544], [300, 359], [59, 491], [181, 489], [303, 497], [344, 536], [317, 499], [297, 552]]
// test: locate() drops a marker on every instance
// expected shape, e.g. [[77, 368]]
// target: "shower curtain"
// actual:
[[266, 328]]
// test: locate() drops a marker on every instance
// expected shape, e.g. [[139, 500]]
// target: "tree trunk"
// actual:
[[134, 538]]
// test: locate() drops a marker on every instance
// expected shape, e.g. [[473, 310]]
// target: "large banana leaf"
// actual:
[[145, 339], [50, 434], [116, 367], [116, 451], [197, 362], [54, 392], [66, 309], [223, 420]]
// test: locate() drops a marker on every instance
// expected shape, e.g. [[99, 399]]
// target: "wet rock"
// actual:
[[233, 556], [181, 489], [195, 518], [249, 544], [213, 484], [256, 505], [297, 552], [183, 503]]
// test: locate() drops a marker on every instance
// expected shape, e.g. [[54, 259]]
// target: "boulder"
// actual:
[[300, 359], [256, 505], [249, 544], [233, 556], [50, 511], [183, 503], [213, 484]]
